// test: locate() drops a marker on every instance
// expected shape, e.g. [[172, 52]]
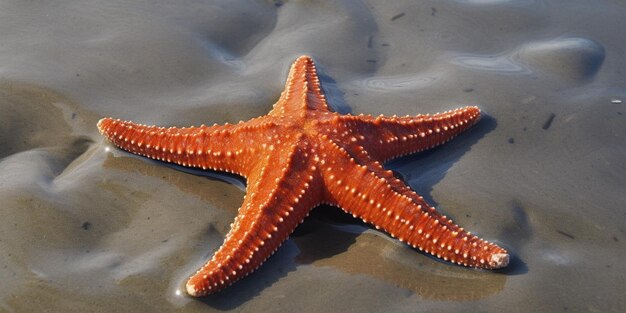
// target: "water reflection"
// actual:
[[494, 63], [399, 82]]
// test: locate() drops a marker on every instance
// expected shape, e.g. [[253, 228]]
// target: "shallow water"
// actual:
[[86, 227]]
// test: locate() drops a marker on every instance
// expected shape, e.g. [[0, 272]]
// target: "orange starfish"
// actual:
[[301, 155]]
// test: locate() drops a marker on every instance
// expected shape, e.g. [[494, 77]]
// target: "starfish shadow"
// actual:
[[429, 167], [518, 233], [334, 94]]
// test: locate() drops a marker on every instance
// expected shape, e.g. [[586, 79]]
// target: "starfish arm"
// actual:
[[276, 202], [302, 90], [377, 197], [219, 147], [391, 137]]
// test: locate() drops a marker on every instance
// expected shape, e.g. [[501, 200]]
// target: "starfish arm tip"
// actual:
[[101, 123], [305, 57], [191, 289], [499, 260]]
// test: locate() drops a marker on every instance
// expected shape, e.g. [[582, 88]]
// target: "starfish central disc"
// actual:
[[303, 154]]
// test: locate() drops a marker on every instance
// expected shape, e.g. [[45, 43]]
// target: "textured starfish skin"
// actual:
[[301, 155]]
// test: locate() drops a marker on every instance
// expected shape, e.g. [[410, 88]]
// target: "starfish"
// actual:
[[301, 155]]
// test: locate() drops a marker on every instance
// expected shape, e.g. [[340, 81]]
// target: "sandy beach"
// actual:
[[86, 227]]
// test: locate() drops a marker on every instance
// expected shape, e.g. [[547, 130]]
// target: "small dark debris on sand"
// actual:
[[548, 123], [397, 16], [565, 234]]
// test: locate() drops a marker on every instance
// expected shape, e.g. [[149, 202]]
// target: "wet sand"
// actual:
[[85, 227]]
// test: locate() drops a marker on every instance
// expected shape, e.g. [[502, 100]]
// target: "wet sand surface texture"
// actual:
[[85, 227]]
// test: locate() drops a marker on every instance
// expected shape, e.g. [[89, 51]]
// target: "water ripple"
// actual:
[[398, 82], [494, 63]]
